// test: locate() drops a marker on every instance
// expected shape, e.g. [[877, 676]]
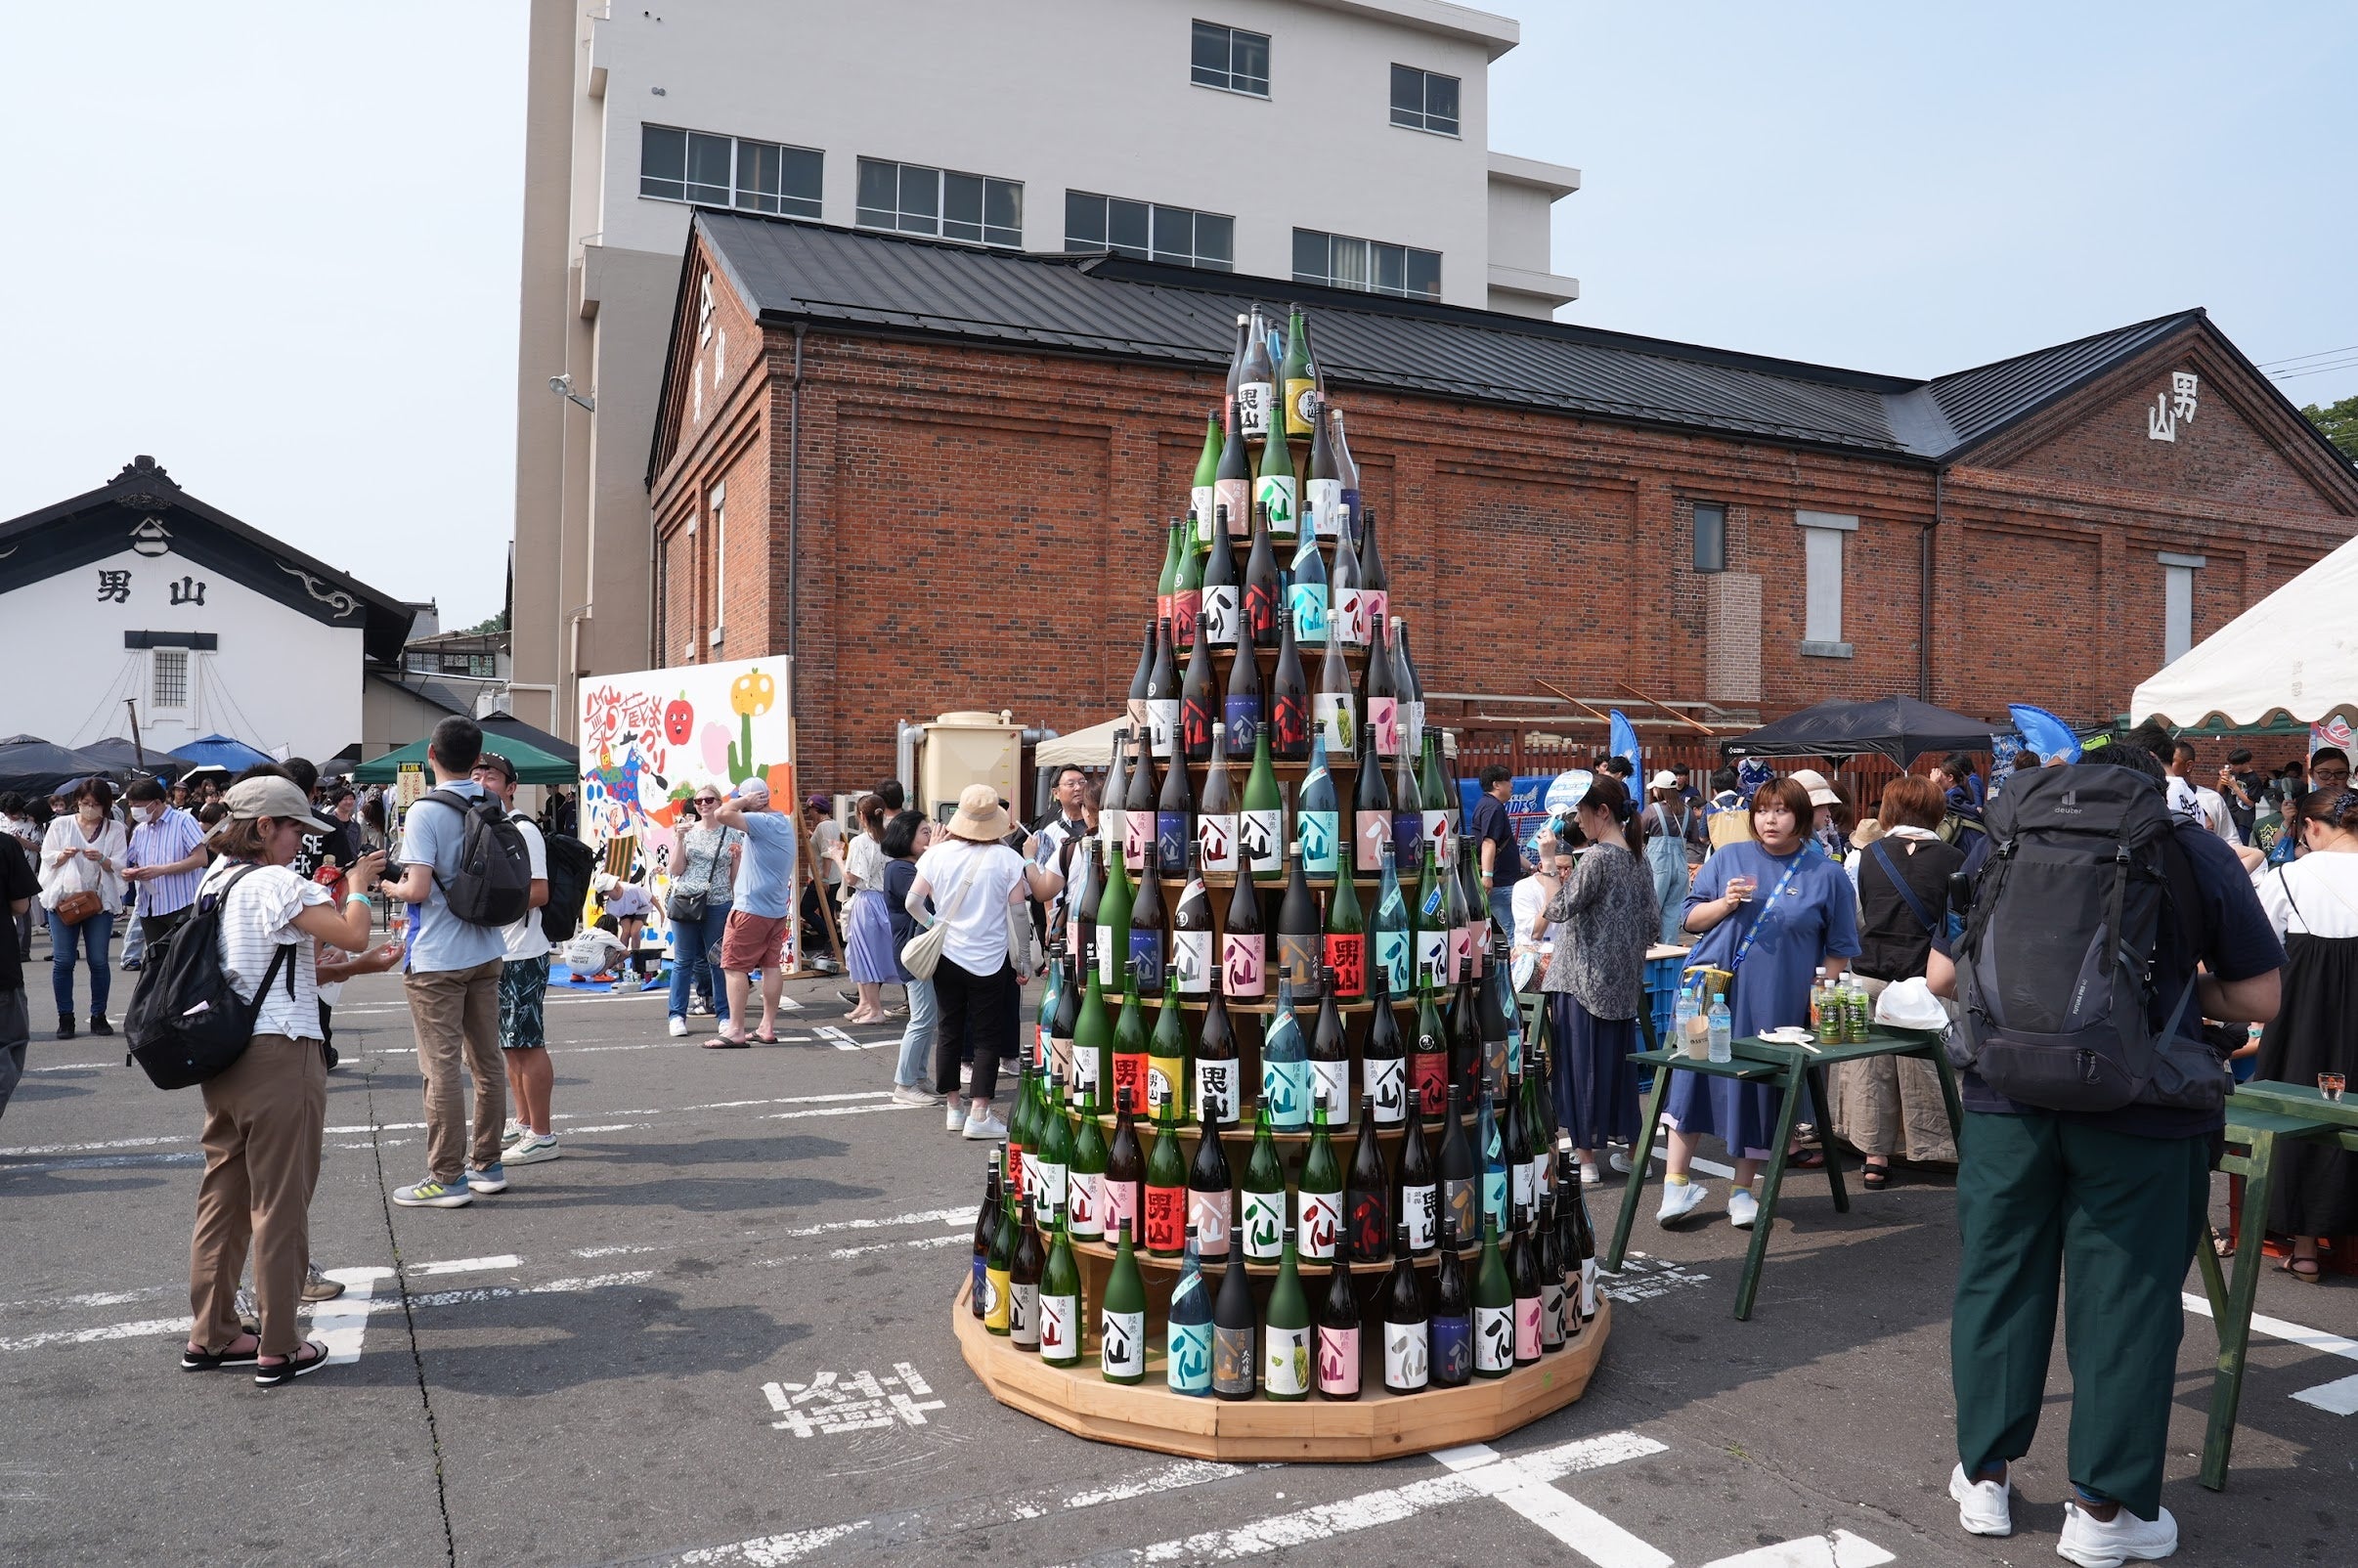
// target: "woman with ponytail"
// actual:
[[1595, 982]]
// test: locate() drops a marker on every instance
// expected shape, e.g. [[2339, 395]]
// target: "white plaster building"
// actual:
[[1338, 141], [137, 592]]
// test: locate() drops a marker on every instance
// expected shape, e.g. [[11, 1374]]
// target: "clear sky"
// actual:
[[276, 244]]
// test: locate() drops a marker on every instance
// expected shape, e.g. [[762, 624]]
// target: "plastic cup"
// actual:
[[2330, 1085]]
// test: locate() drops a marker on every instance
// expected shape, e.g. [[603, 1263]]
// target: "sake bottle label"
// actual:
[[1162, 720], [1371, 1224], [1460, 953], [1387, 1081], [1051, 1192], [1350, 614], [1493, 1339], [1347, 956], [1392, 955], [1137, 839], [1237, 495], [1307, 604], [1326, 506], [1170, 842], [1297, 961], [1527, 1329], [1318, 832], [1432, 957], [1085, 1202], [1217, 621], [1334, 1078], [1259, 833], [1524, 1198], [1383, 717], [1190, 958], [1030, 1179], [1588, 1287], [1301, 410], [981, 1288], [1337, 1362], [1146, 961], [1333, 711], [996, 1300], [1023, 1314], [1209, 1213], [1370, 832], [1216, 1091], [1264, 1225], [1256, 401], [1378, 605], [1420, 1209], [1494, 1199], [1165, 1218], [1084, 1072], [1189, 1369], [1121, 1345], [1285, 1090], [1162, 1081], [1428, 1076], [1201, 499], [1216, 840], [1186, 608], [1464, 1199], [1551, 1314], [1240, 964], [1453, 1351], [1404, 1355], [1276, 491], [1120, 1200], [1129, 1072], [1436, 834], [1286, 1361], [1322, 1224], [1231, 1359], [1060, 1328]]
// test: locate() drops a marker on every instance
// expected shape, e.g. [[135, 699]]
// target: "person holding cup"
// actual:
[[1772, 910], [2313, 904], [755, 938]]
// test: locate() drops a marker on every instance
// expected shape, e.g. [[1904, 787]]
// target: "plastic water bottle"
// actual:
[[1722, 1031], [1684, 1027]]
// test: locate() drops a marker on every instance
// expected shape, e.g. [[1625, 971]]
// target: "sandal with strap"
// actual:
[[214, 1361], [296, 1366], [1875, 1178], [2311, 1275]]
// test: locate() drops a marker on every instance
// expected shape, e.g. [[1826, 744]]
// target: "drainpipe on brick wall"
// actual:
[[1924, 592], [794, 518]]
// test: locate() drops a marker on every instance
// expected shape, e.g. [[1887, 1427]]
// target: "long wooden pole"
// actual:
[[1665, 707], [1573, 701], [810, 871]]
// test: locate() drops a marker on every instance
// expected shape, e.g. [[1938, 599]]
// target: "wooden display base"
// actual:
[[1375, 1426]]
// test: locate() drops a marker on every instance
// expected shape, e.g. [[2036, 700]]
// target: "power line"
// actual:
[[2320, 369], [2319, 355]]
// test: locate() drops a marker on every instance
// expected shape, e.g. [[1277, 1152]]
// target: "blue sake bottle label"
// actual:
[[1494, 1199], [1394, 954], [1321, 849], [1241, 715], [1453, 1350], [1146, 961], [1286, 1086], [1307, 604], [1190, 1366], [1170, 842]]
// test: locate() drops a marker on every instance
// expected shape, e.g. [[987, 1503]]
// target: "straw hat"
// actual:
[[1820, 791], [981, 817]]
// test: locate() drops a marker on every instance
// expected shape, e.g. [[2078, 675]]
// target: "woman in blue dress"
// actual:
[[1774, 910]]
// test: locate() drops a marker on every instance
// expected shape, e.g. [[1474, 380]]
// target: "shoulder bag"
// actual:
[[73, 908], [921, 954], [690, 900]]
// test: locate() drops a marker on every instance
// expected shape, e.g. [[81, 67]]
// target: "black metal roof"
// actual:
[[1099, 304]]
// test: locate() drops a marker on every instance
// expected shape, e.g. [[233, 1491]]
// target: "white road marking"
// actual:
[[2336, 1397], [1841, 1549], [342, 1324], [1483, 1477], [607, 1251], [1642, 1278], [839, 1110], [842, 1041], [2339, 1397], [1186, 1473], [923, 1216], [1570, 1521], [505, 1260], [893, 1246], [111, 1143], [773, 1552]]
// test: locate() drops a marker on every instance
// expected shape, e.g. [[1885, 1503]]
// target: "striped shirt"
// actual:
[[256, 919], [173, 835]]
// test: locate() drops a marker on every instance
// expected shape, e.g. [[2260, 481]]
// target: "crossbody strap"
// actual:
[[1759, 919], [1907, 895]]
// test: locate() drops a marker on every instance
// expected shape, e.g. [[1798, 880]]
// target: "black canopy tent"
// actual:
[[35, 765], [1901, 728], [123, 756]]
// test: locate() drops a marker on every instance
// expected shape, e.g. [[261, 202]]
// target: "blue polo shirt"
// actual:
[[766, 876]]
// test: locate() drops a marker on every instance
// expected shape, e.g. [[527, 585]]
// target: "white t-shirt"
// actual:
[[2317, 894], [526, 938], [256, 919], [865, 861], [827, 836], [977, 913]]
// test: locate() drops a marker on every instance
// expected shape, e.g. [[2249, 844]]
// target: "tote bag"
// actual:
[[921, 954]]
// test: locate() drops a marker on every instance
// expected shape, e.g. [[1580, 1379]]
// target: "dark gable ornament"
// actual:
[[144, 487]]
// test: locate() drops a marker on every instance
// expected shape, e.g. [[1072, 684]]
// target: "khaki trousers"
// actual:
[[1891, 1105], [457, 1015], [262, 1123]]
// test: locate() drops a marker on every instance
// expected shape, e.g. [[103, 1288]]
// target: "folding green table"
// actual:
[[2258, 1114], [1795, 1070]]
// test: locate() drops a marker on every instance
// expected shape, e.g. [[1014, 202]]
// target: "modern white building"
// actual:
[[138, 602], [1341, 141]]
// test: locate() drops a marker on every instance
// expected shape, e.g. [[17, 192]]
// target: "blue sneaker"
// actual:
[[431, 1193], [492, 1178]]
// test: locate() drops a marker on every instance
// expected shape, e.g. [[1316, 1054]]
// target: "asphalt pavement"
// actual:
[[716, 1333]]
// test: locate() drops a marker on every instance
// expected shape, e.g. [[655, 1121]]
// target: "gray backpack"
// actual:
[[2055, 971]]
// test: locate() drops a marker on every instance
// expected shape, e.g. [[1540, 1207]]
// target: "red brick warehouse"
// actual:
[[968, 459]]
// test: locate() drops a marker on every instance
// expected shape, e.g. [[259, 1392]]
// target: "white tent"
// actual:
[[1090, 748], [2294, 654]]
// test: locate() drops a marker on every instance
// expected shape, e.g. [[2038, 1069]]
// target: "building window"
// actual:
[[2177, 603], [1710, 537], [171, 685], [1821, 557], [720, 172], [719, 563], [1149, 231], [1425, 99], [1230, 59], [1367, 265], [916, 199]]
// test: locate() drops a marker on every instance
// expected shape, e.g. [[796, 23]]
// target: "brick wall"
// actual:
[[983, 529]]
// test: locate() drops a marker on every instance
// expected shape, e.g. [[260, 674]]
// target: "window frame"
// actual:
[[717, 507], [1152, 213], [2178, 588], [987, 186], [734, 197], [159, 660], [1422, 117], [1198, 30], [1375, 258], [1713, 561], [1824, 562]]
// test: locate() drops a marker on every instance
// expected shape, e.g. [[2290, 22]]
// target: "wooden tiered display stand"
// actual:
[[1376, 1425]]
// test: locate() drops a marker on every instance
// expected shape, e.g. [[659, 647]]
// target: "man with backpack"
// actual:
[[2092, 1112], [467, 874]]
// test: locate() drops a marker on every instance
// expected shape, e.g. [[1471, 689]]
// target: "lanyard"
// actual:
[[1762, 919]]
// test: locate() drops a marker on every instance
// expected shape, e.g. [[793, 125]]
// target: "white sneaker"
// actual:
[[1589, 1175], [1742, 1208], [985, 1128], [512, 1131], [678, 1026], [531, 1150], [957, 1115], [2092, 1544], [1618, 1160], [908, 1094], [1679, 1201], [1982, 1506]]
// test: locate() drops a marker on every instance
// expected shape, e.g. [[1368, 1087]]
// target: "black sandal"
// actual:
[[295, 1366], [1806, 1160], [212, 1361], [1875, 1178]]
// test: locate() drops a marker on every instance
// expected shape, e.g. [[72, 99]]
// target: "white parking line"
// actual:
[[1841, 1549], [505, 1260], [2339, 1397], [1570, 1521], [342, 1324]]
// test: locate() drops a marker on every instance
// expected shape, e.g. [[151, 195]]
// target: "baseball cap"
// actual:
[[1665, 780], [272, 795]]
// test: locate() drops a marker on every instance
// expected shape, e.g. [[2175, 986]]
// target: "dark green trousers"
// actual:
[[2115, 1219]]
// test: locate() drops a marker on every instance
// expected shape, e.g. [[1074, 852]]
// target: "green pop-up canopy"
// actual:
[[533, 765]]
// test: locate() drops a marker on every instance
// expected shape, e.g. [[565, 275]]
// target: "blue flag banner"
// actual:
[[1624, 740], [2043, 732]]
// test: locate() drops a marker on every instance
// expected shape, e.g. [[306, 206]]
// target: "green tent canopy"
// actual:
[[533, 765]]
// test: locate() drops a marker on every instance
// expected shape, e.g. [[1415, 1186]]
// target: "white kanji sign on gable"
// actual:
[[859, 1402]]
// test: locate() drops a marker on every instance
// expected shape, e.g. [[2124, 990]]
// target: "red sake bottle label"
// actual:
[[1186, 606], [1166, 1219], [1429, 1075], [1347, 956], [1129, 1072]]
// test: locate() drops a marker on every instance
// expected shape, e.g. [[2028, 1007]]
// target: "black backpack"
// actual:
[[571, 864], [2056, 968], [187, 1022], [493, 885]]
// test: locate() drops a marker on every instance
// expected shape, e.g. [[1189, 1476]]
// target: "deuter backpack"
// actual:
[[493, 885], [2056, 970], [571, 865], [187, 1022]]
